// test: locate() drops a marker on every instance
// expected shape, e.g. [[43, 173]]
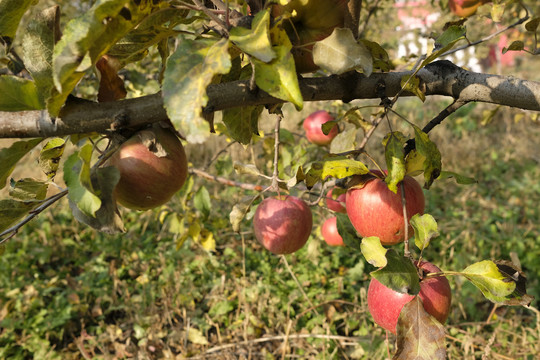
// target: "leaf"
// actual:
[[514, 46], [344, 141], [445, 42], [12, 211], [373, 251], [347, 232], [18, 94], [425, 229], [419, 335], [77, 177], [395, 159], [432, 156], [414, 163], [460, 179], [278, 77], [50, 155], [107, 217], [255, 41], [202, 202], [88, 37], [196, 337], [411, 84], [207, 240], [189, 71], [28, 189], [338, 168], [532, 24], [399, 274], [249, 169], [11, 12], [239, 212], [486, 276], [341, 52], [511, 271], [380, 57], [242, 122], [10, 156]]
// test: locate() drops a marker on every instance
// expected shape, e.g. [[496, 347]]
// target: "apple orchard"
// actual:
[[114, 100]]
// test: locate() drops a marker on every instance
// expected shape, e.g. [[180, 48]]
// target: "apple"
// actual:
[[385, 304], [309, 21], [282, 224], [337, 204], [153, 167], [374, 210], [465, 8], [330, 232], [313, 128]]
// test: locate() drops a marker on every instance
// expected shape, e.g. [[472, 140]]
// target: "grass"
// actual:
[[71, 293]]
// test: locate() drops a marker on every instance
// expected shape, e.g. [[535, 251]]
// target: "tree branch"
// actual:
[[439, 78]]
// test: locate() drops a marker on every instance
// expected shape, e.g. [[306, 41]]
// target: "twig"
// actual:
[[32, 214], [225, 181], [298, 284], [211, 15]]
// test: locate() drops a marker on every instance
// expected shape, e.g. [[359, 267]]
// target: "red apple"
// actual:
[[337, 204], [374, 210], [330, 232], [313, 128], [385, 304], [465, 8], [282, 224], [152, 166]]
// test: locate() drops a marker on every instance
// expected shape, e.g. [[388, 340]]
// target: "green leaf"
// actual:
[[399, 274], [341, 52], [18, 94], [344, 141], [242, 122], [39, 39], [77, 177], [419, 335], [28, 189], [411, 84], [278, 77], [202, 202], [514, 46], [338, 168], [425, 229], [486, 276], [107, 217], [395, 159], [12, 211], [255, 41], [460, 179], [347, 232], [445, 42], [373, 251], [11, 12], [239, 212], [532, 24], [10, 156], [49, 158], [432, 156], [86, 38], [189, 72], [196, 337]]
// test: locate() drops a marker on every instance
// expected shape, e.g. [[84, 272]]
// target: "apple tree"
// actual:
[[109, 120]]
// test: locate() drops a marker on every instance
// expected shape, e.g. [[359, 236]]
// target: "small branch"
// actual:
[[352, 16], [32, 214], [211, 15], [225, 181]]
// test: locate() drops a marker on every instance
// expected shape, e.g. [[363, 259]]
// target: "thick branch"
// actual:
[[439, 78]]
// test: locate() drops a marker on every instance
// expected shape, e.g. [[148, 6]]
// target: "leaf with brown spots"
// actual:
[[419, 335]]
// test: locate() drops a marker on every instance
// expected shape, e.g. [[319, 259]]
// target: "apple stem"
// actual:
[[275, 180], [407, 253]]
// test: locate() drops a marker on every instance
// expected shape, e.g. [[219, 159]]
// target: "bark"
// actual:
[[438, 78]]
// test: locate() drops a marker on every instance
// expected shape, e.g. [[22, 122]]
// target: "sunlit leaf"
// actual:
[[344, 141], [338, 168], [11, 155], [425, 229], [202, 202], [239, 212], [419, 335], [189, 71], [341, 52], [411, 84], [487, 277], [196, 337], [249, 169], [445, 42], [511, 271], [399, 274], [11, 12], [373, 251], [255, 41], [395, 159]]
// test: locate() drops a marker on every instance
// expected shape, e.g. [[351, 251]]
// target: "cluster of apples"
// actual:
[[283, 225]]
